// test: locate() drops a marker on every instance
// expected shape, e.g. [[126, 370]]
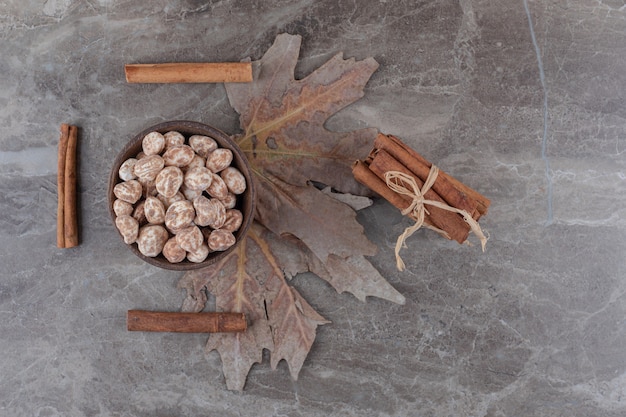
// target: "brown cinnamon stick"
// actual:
[[154, 321], [215, 72], [421, 168], [482, 201], [70, 222], [365, 176], [61, 185], [450, 222]]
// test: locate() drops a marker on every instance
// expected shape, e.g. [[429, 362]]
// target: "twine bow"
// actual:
[[404, 184]]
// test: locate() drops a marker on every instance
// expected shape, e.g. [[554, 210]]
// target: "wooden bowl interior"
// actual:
[[245, 203]]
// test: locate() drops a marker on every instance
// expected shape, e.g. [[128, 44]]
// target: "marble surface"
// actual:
[[523, 100]]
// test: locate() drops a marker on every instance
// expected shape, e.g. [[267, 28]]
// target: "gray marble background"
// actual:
[[523, 100]]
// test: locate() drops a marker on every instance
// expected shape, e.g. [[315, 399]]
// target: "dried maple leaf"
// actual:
[[298, 228], [251, 281], [288, 147]]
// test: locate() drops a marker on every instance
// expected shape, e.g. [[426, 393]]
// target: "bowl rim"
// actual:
[[187, 128]]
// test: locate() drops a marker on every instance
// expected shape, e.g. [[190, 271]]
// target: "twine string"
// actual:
[[404, 184]]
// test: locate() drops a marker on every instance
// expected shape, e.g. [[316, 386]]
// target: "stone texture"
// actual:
[[534, 326]]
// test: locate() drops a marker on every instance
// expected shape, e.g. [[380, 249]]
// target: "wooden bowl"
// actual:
[[245, 201]]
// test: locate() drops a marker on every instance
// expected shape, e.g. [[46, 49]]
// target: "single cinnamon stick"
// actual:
[[450, 222], [365, 176], [61, 185], [215, 72], [443, 187], [154, 321], [70, 223]]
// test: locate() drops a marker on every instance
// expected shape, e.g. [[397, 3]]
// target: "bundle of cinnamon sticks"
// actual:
[[456, 202], [67, 219]]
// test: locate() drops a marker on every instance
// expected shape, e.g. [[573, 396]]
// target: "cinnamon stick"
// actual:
[[450, 222], [154, 321], [405, 154], [70, 222], [215, 72], [61, 185], [365, 176], [418, 166]]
